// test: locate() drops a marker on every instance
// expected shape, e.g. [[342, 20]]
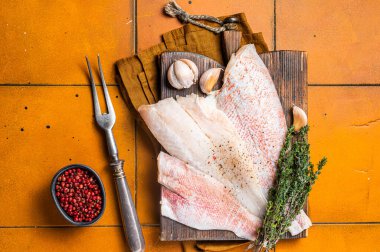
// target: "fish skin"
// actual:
[[231, 161], [198, 200], [190, 130], [177, 132], [249, 99]]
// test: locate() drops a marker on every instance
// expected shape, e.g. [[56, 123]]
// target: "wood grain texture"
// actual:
[[231, 43], [288, 69]]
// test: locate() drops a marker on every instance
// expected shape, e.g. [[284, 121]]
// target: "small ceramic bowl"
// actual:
[[56, 200]]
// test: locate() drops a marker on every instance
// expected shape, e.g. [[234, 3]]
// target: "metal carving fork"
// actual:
[[131, 224]]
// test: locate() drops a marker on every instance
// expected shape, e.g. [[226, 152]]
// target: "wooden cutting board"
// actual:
[[289, 73]]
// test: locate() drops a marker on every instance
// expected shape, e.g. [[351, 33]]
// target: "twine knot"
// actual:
[[174, 10]]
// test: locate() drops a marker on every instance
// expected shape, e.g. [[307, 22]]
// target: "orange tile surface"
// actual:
[[148, 193], [336, 238], [340, 36], [31, 157], [45, 42], [345, 126], [152, 23], [77, 239]]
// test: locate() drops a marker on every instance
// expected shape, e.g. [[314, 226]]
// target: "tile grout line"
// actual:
[[115, 85], [346, 223], [135, 133], [135, 42], [344, 85], [157, 225], [70, 226], [51, 85], [274, 25], [134, 18]]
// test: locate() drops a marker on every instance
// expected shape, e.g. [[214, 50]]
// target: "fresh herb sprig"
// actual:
[[294, 179]]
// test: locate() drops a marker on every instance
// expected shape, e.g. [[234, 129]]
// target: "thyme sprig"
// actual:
[[294, 179]]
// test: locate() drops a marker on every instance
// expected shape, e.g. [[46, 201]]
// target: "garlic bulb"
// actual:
[[299, 118], [209, 79], [182, 74], [193, 68]]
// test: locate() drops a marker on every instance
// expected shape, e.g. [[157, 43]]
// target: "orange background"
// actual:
[[43, 81]]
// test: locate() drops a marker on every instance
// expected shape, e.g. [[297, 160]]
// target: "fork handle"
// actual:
[[131, 224]]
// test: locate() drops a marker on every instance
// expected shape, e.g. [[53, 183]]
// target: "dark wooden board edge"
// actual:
[[288, 70], [289, 73]]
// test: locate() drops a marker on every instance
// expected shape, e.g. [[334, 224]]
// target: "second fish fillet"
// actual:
[[198, 200]]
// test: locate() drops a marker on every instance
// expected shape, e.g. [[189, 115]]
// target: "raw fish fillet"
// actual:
[[230, 158], [249, 99], [195, 131], [177, 132], [200, 201]]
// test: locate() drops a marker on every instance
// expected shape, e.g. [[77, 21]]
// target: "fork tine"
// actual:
[[106, 95], [93, 88]]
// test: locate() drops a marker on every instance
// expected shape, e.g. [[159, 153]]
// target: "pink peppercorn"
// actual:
[[78, 194]]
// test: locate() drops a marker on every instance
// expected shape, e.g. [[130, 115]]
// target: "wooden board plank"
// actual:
[[289, 72]]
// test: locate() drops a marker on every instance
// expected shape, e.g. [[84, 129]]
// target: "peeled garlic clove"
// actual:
[[173, 79], [193, 68], [299, 118], [183, 73], [209, 79]]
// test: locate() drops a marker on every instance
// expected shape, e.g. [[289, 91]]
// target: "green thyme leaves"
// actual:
[[294, 179]]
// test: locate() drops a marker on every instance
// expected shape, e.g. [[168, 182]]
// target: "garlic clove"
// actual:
[[299, 118], [209, 79], [173, 79], [183, 73], [193, 68]]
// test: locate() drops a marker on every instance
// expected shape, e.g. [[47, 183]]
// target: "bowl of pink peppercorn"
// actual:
[[79, 194]]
